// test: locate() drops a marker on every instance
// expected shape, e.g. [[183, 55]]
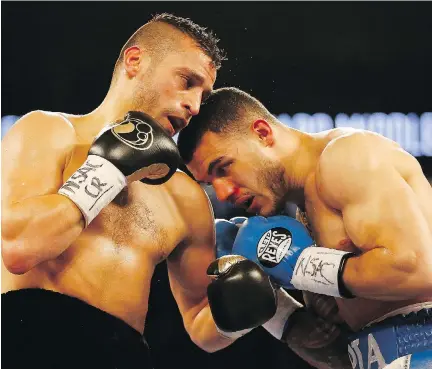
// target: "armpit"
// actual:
[[302, 217]]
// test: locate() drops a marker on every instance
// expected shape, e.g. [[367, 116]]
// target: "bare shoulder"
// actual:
[[37, 147], [192, 200], [353, 148], [41, 127], [188, 193], [349, 158], [334, 133]]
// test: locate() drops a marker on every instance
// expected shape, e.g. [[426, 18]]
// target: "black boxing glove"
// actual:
[[135, 149], [241, 296], [139, 147]]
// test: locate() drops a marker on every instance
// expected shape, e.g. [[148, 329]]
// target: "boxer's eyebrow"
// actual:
[[200, 80], [213, 163]]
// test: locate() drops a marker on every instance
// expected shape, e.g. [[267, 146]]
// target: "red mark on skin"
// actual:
[[234, 195], [345, 244], [236, 192]]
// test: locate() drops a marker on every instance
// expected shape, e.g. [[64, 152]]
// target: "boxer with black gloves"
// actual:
[[92, 203], [241, 296], [137, 148]]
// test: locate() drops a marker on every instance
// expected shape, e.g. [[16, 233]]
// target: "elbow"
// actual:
[[201, 328], [199, 340], [205, 345], [421, 275], [15, 259], [206, 341], [428, 277], [424, 284], [209, 350], [14, 248], [429, 286]]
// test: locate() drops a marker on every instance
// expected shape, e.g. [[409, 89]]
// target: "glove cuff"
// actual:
[[93, 186], [343, 290], [233, 335], [320, 270], [287, 305]]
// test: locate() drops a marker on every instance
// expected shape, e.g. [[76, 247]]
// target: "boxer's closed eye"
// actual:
[[222, 169], [186, 82]]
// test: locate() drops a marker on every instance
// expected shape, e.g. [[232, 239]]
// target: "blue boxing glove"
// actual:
[[283, 247], [226, 232]]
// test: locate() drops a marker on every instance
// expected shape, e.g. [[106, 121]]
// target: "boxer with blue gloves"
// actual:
[[365, 200], [283, 247], [320, 343]]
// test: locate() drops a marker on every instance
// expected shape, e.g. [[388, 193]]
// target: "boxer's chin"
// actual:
[[270, 209], [262, 206], [266, 211]]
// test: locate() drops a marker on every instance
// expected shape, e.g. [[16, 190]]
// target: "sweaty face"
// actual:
[[172, 88], [240, 173]]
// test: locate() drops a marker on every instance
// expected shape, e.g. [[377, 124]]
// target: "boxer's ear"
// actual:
[[134, 59], [263, 131]]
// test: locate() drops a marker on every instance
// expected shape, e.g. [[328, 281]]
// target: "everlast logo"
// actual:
[[273, 246], [85, 175]]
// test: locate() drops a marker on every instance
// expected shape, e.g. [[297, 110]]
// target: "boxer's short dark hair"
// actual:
[[204, 38], [228, 110]]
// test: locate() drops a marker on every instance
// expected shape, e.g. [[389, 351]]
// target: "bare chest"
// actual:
[[324, 223], [327, 228], [142, 218]]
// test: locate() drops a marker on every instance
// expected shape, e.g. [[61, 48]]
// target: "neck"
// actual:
[[300, 153], [112, 109]]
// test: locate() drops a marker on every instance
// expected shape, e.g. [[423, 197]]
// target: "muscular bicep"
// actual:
[[188, 263], [33, 155], [379, 208], [387, 214], [187, 271]]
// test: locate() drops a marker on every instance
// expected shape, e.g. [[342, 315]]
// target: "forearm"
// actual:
[[203, 332], [315, 339], [332, 356], [38, 229], [320, 343], [377, 274]]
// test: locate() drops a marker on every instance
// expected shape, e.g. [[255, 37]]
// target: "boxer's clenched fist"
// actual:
[[284, 249], [135, 149], [241, 296]]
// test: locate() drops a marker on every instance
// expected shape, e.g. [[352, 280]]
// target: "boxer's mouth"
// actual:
[[244, 202], [177, 123], [253, 207], [249, 202], [170, 128]]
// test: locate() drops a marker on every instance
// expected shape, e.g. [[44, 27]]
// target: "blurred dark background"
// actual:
[[315, 65]]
